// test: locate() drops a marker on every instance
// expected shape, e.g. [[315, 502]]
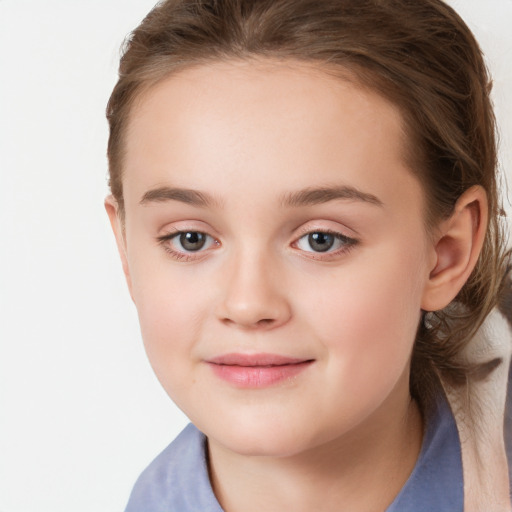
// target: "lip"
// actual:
[[257, 370]]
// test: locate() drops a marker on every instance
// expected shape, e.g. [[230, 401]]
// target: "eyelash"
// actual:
[[347, 244], [183, 255]]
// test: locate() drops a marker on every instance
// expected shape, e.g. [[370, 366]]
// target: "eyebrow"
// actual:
[[184, 195], [312, 196], [304, 197]]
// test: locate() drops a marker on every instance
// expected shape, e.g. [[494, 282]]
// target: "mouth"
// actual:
[[257, 370]]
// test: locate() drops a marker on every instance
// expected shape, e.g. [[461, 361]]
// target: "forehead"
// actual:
[[253, 90], [282, 122]]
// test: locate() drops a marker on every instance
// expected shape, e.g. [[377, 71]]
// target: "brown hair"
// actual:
[[417, 53]]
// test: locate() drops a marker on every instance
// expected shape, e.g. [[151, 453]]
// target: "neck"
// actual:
[[364, 469]]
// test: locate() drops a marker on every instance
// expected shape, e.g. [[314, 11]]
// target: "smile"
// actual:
[[257, 370]]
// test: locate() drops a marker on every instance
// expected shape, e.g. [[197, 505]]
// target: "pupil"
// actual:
[[192, 241], [320, 242]]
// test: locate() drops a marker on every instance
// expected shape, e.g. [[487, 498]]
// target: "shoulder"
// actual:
[[177, 480]]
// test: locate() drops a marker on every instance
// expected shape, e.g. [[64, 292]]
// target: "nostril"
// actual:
[[259, 308], [264, 322]]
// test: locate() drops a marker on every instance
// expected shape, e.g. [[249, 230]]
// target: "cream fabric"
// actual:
[[480, 413]]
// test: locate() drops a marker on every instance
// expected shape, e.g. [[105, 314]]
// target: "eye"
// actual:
[[191, 240], [324, 241], [187, 241]]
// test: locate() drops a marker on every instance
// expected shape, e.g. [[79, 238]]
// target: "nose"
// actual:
[[254, 295]]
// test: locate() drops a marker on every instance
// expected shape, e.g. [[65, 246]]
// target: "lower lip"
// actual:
[[258, 376]]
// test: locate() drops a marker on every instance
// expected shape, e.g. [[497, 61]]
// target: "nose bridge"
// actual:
[[253, 295]]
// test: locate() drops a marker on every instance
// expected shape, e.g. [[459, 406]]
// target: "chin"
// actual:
[[263, 445], [259, 438]]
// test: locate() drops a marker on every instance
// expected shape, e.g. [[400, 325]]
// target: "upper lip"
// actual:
[[256, 360]]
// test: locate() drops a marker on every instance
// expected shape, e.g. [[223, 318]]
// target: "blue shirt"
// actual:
[[177, 480]]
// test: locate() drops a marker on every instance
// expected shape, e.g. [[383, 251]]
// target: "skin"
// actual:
[[249, 136]]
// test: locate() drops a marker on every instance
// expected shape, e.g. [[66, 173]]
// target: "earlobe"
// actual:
[[112, 208], [457, 247]]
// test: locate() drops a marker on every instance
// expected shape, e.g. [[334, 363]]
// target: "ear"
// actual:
[[116, 221], [456, 247]]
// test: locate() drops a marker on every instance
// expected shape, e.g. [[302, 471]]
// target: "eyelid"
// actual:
[[174, 232], [327, 227], [349, 242]]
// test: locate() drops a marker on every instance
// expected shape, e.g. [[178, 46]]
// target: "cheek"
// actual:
[[369, 318], [171, 308]]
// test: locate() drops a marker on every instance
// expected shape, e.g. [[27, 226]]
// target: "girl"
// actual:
[[304, 199]]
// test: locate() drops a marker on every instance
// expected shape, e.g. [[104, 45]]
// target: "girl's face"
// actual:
[[276, 252]]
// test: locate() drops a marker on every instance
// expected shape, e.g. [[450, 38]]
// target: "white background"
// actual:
[[81, 413]]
